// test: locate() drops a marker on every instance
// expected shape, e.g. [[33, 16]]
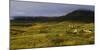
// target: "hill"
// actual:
[[77, 15]]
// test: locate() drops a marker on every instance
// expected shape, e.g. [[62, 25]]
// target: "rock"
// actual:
[[75, 31], [87, 31]]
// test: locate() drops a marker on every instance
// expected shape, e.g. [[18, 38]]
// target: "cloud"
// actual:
[[24, 8]]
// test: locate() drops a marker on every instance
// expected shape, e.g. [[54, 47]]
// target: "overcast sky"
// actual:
[[20, 8]]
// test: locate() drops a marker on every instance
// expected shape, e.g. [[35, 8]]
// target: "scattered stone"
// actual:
[[87, 31], [75, 31]]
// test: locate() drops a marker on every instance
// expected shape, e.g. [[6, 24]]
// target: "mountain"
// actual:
[[77, 15], [80, 15]]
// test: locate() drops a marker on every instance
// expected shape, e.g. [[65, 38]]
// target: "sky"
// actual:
[[26, 8]]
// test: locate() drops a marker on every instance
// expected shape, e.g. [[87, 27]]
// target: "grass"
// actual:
[[50, 34]]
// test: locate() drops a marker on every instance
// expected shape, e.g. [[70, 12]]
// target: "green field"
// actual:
[[50, 34], [76, 28]]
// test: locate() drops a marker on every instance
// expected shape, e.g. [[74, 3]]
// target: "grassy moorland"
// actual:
[[62, 31]]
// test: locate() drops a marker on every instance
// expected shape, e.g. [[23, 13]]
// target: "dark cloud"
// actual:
[[20, 8]]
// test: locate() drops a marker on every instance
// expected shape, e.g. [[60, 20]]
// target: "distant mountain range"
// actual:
[[77, 15]]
